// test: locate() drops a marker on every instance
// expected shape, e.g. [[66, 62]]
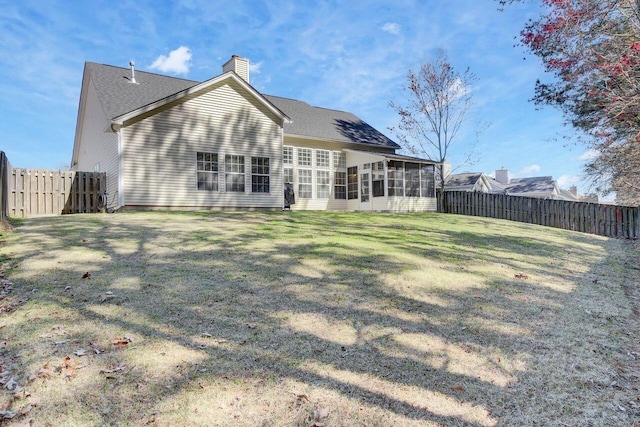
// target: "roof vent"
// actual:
[[133, 73]]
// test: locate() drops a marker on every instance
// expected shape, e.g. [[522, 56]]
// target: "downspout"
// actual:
[[282, 187], [118, 130]]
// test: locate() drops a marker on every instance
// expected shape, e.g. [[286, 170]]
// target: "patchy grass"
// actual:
[[301, 319]]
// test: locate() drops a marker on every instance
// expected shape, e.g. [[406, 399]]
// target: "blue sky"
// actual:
[[347, 55]]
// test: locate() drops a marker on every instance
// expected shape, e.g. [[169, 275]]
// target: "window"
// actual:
[[322, 158], [207, 171], [395, 175], [323, 184], [427, 181], [305, 184], [304, 156], [340, 185], [96, 167], [366, 166], [339, 160], [412, 179], [259, 174], [377, 178], [234, 173], [352, 182], [288, 175], [364, 187], [287, 155]]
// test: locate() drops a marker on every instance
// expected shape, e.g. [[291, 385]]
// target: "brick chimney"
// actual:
[[502, 176], [238, 65]]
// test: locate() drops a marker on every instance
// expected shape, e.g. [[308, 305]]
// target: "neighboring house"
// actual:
[[473, 181], [542, 186], [166, 142]]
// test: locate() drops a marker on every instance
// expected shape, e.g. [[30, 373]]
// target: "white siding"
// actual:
[[159, 150], [98, 144]]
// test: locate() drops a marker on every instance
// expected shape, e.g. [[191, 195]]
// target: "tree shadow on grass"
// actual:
[[310, 307]]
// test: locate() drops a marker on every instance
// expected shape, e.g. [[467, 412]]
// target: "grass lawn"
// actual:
[[312, 319]]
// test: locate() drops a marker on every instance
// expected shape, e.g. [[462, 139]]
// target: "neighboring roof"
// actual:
[[466, 179], [323, 123], [119, 96], [568, 195], [538, 184]]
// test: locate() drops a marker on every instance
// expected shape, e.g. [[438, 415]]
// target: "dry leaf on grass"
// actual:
[[521, 276], [68, 367], [86, 275], [121, 342]]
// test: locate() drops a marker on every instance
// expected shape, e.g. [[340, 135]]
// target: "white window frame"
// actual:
[[215, 173]]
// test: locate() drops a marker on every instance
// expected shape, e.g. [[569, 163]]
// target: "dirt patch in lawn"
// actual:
[[306, 319]]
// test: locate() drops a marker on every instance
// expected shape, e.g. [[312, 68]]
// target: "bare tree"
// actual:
[[439, 99]]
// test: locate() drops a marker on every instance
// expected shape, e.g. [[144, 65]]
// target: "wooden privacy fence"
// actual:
[[593, 218], [34, 192]]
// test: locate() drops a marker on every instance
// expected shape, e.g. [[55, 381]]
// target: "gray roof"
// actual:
[[466, 179], [119, 96], [538, 184], [323, 123]]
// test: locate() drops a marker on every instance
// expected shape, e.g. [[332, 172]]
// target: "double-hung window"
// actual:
[[234, 173], [340, 185], [259, 174], [323, 184], [207, 171], [305, 183]]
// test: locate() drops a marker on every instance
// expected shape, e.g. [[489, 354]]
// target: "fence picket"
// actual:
[[35, 192], [593, 218]]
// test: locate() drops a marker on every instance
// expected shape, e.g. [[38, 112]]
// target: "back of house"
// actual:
[[171, 143]]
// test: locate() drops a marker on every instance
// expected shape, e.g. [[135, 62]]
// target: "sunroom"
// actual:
[[389, 182]]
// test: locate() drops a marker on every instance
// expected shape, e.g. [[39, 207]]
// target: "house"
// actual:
[[171, 143], [542, 186], [473, 181]]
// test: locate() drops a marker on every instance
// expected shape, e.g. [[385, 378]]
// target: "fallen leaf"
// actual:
[[521, 276], [457, 388], [68, 367], [86, 275], [121, 342], [80, 353], [302, 397]]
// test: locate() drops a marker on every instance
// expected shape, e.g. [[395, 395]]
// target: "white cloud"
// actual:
[[529, 169], [566, 181], [178, 61], [255, 67], [391, 28], [590, 154]]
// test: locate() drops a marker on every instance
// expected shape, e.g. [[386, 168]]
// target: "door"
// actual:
[[365, 191]]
